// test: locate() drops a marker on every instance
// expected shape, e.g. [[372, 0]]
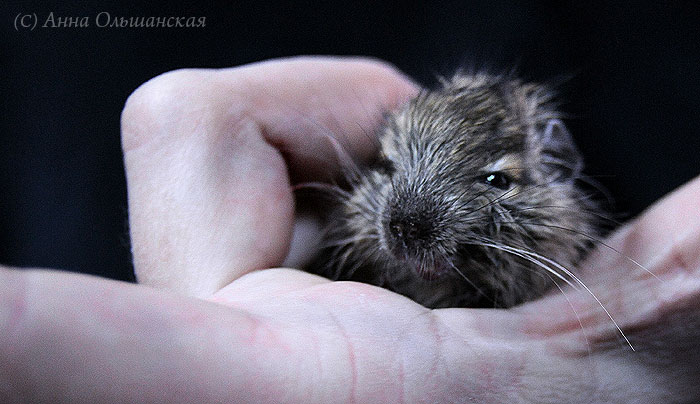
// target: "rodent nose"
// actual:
[[401, 230], [408, 233]]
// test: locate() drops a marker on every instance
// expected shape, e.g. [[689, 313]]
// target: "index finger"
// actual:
[[298, 103], [341, 98]]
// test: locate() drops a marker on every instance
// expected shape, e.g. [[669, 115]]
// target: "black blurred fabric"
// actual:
[[632, 93]]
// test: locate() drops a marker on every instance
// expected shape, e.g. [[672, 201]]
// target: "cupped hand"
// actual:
[[211, 157]]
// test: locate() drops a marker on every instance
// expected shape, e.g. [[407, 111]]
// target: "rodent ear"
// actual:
[[559, 153]]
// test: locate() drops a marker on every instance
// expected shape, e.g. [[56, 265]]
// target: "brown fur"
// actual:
[[422, 212]]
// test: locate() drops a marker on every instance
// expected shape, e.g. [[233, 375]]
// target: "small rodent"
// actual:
[[472, 200]]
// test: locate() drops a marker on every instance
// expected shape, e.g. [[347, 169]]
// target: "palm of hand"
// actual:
[[210, 202]]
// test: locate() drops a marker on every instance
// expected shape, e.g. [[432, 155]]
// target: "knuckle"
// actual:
[[386, 73], [381, 67], [159, 103]]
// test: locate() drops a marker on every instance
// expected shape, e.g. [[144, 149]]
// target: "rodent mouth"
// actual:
[[424, 263], [429, 271]]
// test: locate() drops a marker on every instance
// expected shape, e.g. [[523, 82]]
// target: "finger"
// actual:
[[69, 338], [79, 339], [204, 150], [652, 260], [305, 103], [73, 338], [298, 104], [665, 235], [648, 281], [660, 311], [656, 258]]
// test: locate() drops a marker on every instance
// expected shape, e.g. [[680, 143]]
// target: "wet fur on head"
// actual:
[[471, 201]]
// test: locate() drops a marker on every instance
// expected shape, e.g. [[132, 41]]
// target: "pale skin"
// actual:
[[209, 155]]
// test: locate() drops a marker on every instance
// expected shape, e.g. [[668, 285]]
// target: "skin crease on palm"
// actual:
[[209, 155]]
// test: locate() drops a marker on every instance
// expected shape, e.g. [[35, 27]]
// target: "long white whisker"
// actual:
[[597, 241], [580, 282], [578, 318], [527, 256], [592, 238]]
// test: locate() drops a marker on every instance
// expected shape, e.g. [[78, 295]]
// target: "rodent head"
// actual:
[[470, 181]]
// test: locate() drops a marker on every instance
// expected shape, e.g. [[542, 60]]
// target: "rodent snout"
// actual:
[[408, 230]]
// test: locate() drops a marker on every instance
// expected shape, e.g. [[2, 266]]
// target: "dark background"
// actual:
[[633, 94]]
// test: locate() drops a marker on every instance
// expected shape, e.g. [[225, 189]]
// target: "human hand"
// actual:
[[208, 154]]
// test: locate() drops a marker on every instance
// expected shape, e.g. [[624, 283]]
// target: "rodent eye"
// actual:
[[498, 180]]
